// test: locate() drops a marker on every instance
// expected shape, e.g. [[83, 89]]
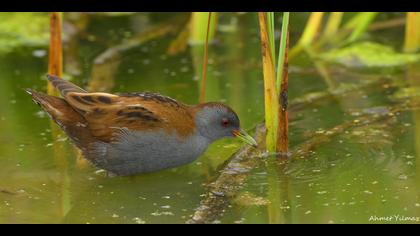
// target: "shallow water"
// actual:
[[364, 172]]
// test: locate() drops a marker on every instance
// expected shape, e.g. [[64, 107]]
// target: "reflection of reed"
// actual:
[[413, 77], [279, 206]]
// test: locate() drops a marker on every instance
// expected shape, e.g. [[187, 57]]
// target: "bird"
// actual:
[[139, 132]]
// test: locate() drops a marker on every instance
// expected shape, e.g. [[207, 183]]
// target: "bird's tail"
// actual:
[[64, 86], [66, 117]]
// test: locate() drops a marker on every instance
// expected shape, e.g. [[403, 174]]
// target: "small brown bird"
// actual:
[[136, 133]]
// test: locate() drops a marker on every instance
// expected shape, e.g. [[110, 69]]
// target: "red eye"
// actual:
[[225, 122]]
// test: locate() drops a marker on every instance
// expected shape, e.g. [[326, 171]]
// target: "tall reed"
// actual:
[[275, 82], [412, 32], [205, 62], [55, 58], [270, 91]]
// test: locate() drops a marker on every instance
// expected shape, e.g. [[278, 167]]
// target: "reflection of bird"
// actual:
[[137, 132]]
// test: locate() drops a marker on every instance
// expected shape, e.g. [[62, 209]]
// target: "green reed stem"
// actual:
[[282, 49], [270, 27]]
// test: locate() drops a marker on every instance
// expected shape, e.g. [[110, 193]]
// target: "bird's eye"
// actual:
[[225, 122]]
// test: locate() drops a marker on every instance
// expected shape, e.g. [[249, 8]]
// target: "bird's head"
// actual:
[[216, 120]]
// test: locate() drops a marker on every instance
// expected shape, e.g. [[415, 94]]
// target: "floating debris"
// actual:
[[250, 199], [137, 220], [163, 213], [403, 177], [368, 54]]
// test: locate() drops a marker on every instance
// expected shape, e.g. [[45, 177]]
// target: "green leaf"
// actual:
[[368, 54]]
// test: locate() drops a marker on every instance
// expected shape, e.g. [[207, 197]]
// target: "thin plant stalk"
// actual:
[[310, 32], [270, 91], [198, 33], [55, 59], [205, 62], [412, 32]]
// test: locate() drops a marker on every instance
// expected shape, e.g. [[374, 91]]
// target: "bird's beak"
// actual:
[[242, 135]]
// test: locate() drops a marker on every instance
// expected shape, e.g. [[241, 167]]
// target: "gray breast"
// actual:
[[141, 152]]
